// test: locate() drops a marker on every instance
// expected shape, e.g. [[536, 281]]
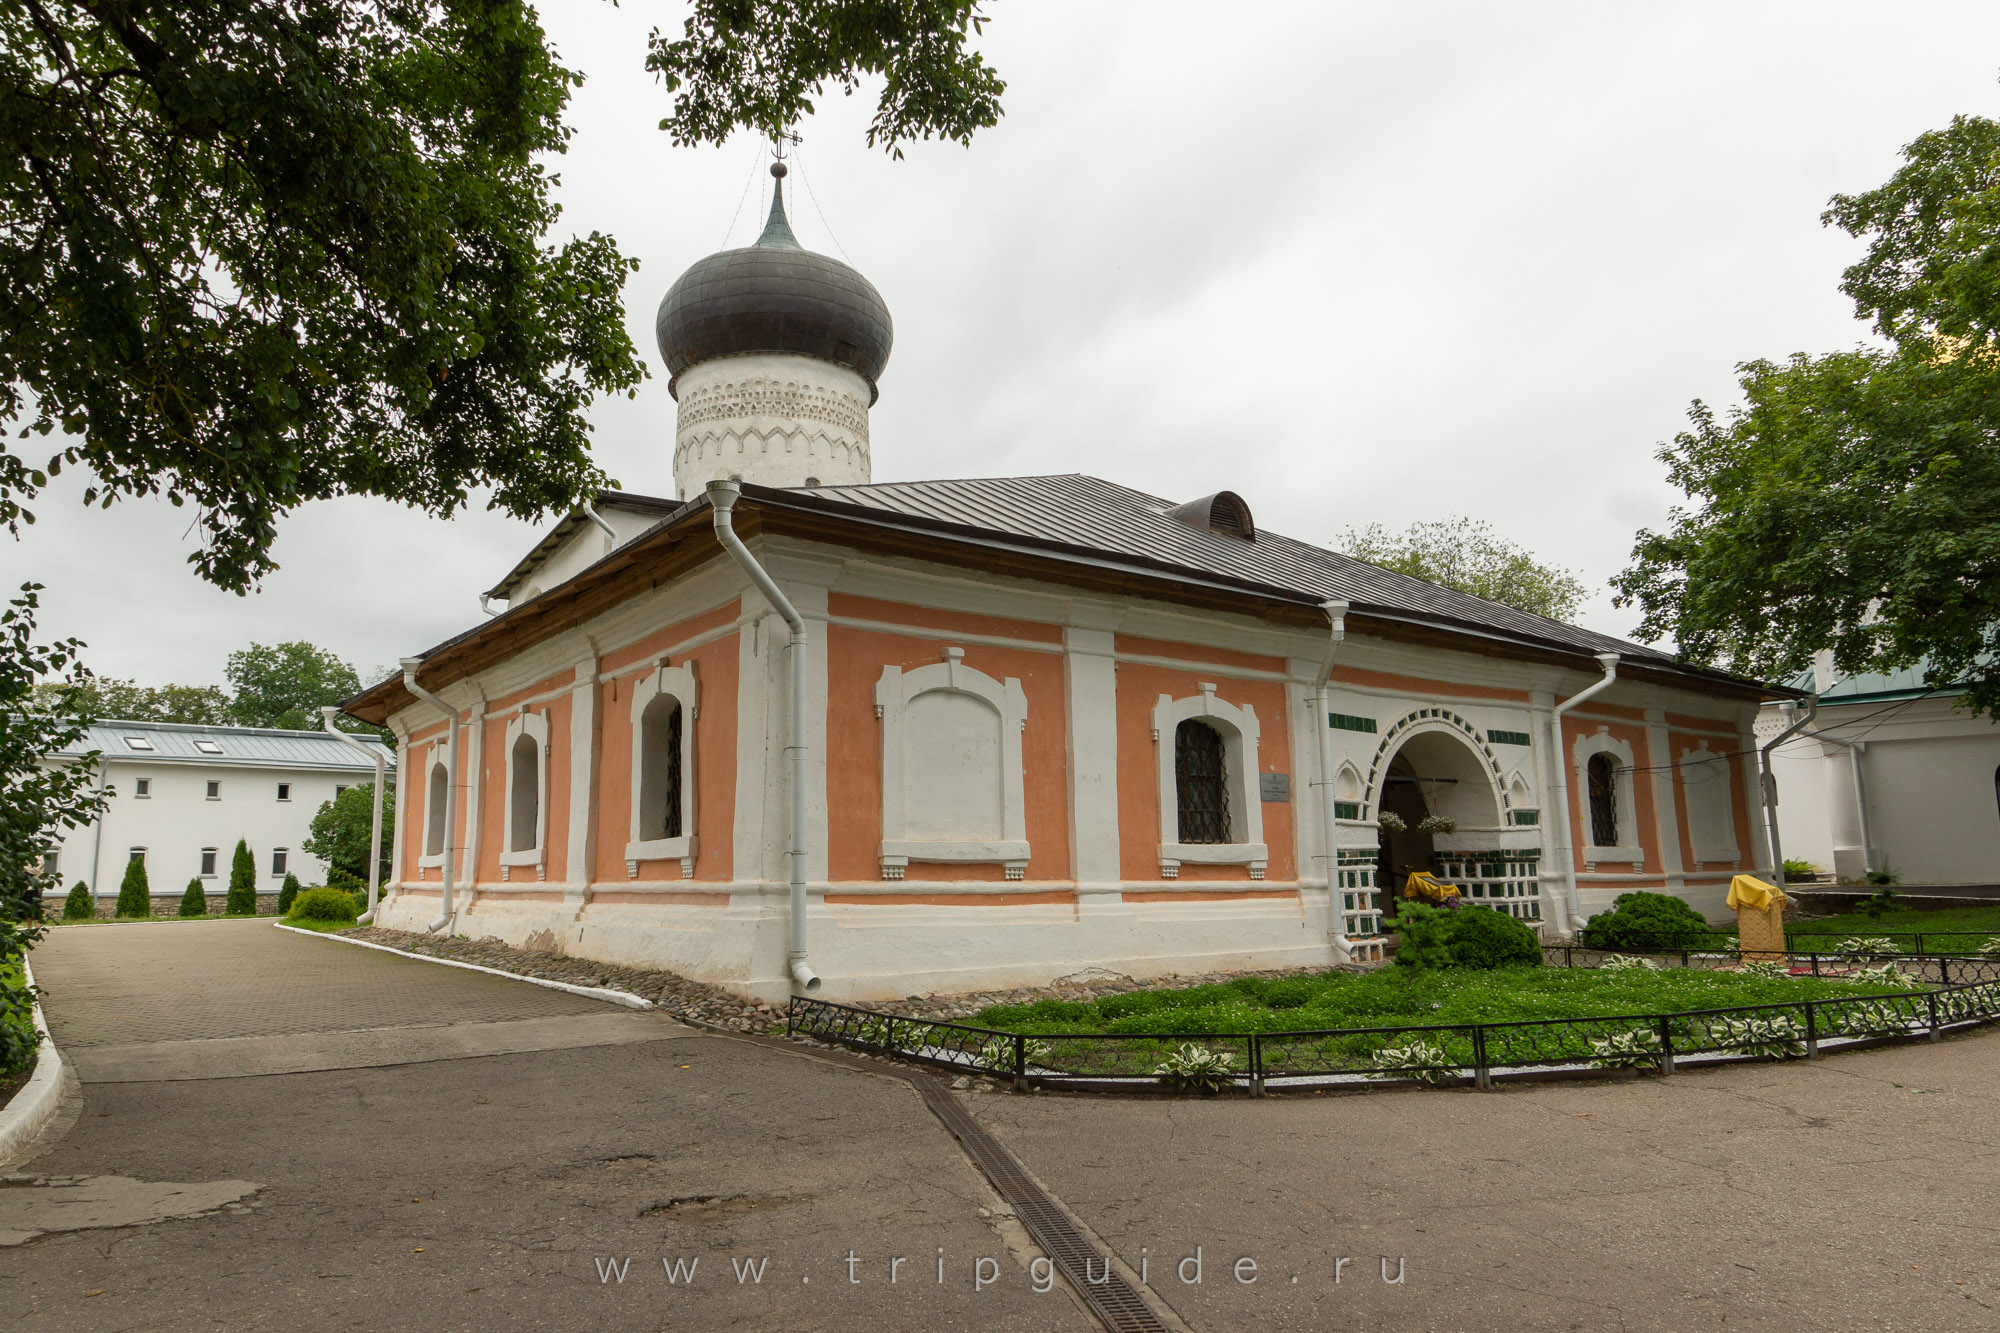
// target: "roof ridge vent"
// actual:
[[1224, 512]]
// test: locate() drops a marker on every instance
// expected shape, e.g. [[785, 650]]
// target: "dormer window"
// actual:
[[1224, 513]]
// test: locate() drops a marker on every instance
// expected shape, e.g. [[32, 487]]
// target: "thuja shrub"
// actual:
[[242, 900], [323, 905], [1423, 935], [135, 898], [79, 906], [1482, 937], [195, 901], [1647, 921], [287, 893]]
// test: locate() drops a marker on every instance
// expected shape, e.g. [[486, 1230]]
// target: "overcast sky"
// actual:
[[1359, 263]]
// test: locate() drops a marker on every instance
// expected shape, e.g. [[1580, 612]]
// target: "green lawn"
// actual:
[[1982, 922], [1395, 996], [307, 923]]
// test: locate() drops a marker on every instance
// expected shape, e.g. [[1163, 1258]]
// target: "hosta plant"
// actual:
[[1196, 1068], [1769, 969], [998, 1053], [1625, 962], [1867, 946], [1884, 974], [1777, 1038], [1990, 949], [1395, 1061], [1637, 1049], [1873, 1017]]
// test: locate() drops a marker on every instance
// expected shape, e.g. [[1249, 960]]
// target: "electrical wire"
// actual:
[[799, 162], [747, 180]]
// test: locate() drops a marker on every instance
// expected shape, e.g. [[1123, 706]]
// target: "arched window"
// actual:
[[1201, 789], [1603, 801], [524, 762], [525, 819], [1211, 810], [660, 735], [665, 706], [953, 788], [434, 809]]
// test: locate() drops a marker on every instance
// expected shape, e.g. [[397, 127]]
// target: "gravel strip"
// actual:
[[711, 1006]]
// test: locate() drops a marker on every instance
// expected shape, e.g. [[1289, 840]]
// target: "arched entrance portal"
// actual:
[[1437, 775]]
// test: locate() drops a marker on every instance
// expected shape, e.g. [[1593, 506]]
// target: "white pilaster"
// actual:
[[585, 740], [1090, 705], [1666, 810]]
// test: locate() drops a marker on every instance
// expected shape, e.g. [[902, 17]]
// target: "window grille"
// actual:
[[1203, 795], [1603, 801]]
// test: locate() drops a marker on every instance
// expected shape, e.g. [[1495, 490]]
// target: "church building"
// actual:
[[798, 729]]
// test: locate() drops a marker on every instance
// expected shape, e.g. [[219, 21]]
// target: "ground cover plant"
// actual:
[[1945, 930]]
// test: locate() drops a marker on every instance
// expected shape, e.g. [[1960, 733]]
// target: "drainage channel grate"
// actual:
[[1122, 1308]]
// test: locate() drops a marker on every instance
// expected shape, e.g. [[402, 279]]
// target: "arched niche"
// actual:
[[952, 782]]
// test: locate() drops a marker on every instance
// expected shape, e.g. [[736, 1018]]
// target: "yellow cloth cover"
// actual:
[[1753, 893], [1429, 889]]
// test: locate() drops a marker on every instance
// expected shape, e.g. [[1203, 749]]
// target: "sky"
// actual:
[[1359, 263]]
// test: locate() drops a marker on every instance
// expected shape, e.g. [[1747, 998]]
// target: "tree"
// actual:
[[129, 701], [260, 253], [1852, 502], [1472, 558], [37, 799], [759, 64], [242, 899], [287, 893], [79, 906], [339, 832], [285, 685], [135, 895], [194, 902]]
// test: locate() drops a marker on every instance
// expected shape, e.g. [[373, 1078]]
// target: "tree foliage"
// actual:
[[1471, 557], [260, 253], [135, 894], [129, 701], [286, 684], [339, 833], [1852, 502], [194, 901], [37, 800], [761, 64]]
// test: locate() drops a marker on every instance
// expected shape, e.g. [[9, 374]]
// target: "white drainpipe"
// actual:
[[486, 604], [1336, 926], [1564, 854], [723, 495], [381, 762], [410, 665], [1771, 790], [590, 512]]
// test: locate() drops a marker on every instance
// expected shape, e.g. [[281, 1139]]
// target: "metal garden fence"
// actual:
[[1963, 991]]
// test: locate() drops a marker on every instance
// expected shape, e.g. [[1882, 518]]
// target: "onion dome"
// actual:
[[775, 296]]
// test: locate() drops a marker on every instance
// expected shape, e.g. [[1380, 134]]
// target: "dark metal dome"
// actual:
[[774, 296]]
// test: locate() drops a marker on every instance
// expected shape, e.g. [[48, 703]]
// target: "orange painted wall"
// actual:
[[960, 622], [1741, 800], [1127, 643], [1139, 834], [855, 659], [1642, 788], [716, 676], [411, 838]]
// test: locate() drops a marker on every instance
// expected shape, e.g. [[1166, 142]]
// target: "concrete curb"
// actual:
[[31, 1109], [625, 998]]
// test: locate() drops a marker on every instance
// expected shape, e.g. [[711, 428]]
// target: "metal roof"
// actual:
[[1081, 511], [560, 533], [239, 747]]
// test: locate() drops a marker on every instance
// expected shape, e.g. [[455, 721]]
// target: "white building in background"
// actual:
[[182, 796], [1890, 776]]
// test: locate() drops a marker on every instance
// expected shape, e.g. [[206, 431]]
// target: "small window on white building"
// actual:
[[207, 747], [137, 854], [527, 789], [142, 788], [138, 743], [215, 791], [208, 863], [279, 855], [284, 791], [50, 865], [338, 788], [664, 706]]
